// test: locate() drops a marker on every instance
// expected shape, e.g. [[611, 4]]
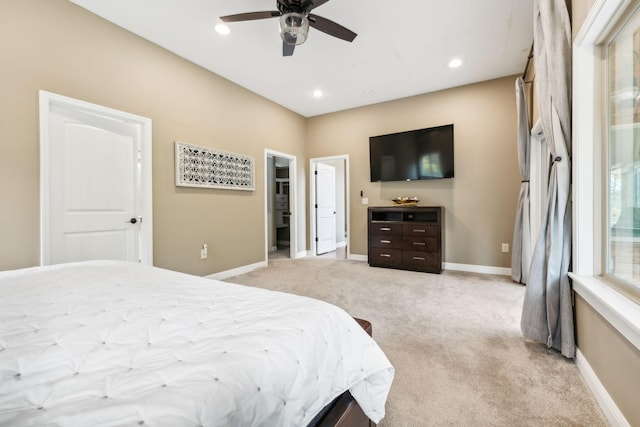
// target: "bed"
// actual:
[[106, 343]]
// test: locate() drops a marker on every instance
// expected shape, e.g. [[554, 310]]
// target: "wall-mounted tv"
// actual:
[[412, 155]]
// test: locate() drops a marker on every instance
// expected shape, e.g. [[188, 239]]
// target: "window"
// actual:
[[622, 216], [590, 184]]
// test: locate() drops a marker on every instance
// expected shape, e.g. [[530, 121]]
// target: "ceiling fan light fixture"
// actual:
[[294, 28]]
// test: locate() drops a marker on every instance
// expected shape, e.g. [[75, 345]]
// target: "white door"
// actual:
[[325, 208], [93, 192]]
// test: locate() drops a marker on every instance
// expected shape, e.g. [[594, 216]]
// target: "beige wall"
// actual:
[[479, 202], [56, 46], [613, 358]]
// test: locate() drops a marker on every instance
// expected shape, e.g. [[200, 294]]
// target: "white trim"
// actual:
[[341, 244], [302, 254], [237, 271], [472, 268], [48, 99], [312, 201], [608, 406], [601, 18], [293, 202], [622, 313], [586, 172], [357, 257]]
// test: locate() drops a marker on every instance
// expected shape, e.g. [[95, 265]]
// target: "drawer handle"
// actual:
[[418, 258], [385, 241], [385, 228], [419, 244], [419, 231], [385, 255]]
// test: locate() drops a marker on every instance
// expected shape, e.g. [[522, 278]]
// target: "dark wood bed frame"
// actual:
[[344, 411]]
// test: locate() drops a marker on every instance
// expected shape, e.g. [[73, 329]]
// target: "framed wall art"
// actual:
[[206, 167]]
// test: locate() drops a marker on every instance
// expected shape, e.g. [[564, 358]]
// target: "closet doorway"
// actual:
[[280, 206], [320, 224]]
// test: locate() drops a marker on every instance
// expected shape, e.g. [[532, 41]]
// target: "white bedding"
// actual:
[[114, 343]]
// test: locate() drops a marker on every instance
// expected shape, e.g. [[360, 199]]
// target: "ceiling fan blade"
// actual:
[[329, 27], [250, 16], [309, 5], [287, 49]]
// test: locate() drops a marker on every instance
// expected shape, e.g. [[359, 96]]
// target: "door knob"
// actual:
[[133, 220]]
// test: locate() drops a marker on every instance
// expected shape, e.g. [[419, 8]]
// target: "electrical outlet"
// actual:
[[203, 252], [505, 247]]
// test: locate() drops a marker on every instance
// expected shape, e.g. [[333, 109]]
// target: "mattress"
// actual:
[[114, 343]]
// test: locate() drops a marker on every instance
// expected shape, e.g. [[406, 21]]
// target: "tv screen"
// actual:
[[412, 155]]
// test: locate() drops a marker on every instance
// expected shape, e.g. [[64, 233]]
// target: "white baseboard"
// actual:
[[237, 271], [608, 406], [356, 257], [364, 258], [341, 244], [472, 268]]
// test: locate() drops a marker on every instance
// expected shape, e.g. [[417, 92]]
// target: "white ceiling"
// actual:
[[402, 48]]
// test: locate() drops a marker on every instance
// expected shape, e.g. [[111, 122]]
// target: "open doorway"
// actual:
[[280, 205], [329, 210]]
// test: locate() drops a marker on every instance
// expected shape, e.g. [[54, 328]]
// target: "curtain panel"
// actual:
[[521, 246], [547, 314]]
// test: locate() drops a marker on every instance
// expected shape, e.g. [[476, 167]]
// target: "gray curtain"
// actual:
[[521, 247], [547, 314]]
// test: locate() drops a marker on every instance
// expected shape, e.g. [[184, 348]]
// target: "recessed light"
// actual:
[[455, 63], [222, 29], [317, 93]]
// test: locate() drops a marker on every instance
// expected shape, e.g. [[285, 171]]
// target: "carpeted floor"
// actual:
[[454, 340]]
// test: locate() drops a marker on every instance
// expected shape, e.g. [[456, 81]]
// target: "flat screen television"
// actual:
[[412, 155]]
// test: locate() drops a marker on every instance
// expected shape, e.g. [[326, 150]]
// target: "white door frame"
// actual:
[[293, 203], [312, 200], [47, 100]]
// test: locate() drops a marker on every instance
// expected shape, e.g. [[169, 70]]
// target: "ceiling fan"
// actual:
[[295, 20]]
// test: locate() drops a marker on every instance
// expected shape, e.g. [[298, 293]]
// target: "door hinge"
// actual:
[[316, 206], [316, 239], [315, 172]]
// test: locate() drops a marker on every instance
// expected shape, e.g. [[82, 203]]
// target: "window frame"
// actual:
[[589, 166]]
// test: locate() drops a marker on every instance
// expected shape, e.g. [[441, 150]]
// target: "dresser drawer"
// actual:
[[282, 206], [381, 256], [422, 261], [419, 243], [420, 229], [390, 241], [385, 228]]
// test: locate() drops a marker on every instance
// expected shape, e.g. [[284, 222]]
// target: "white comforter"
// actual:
[[112, 343]]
